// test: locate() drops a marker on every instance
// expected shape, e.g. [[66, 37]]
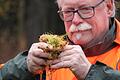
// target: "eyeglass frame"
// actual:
[[76, 11]]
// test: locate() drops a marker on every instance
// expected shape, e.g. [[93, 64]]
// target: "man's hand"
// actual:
[[74, 58], [36, 59]]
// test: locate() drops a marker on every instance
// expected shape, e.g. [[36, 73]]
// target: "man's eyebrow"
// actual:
[[68, 8], [85, 5], [72, 8]]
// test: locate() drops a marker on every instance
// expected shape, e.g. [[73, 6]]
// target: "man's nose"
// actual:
[[77, 19]]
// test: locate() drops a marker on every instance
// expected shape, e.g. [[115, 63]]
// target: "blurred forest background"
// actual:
[[22, 21]]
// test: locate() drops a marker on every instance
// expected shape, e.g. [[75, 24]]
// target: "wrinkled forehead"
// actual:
[[76, 2]]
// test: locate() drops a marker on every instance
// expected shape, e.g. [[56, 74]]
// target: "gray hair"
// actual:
[[113, 1], [58, 2], [114, 9]]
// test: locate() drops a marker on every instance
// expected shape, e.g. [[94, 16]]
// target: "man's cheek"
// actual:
[[67, 29], [67, 26]]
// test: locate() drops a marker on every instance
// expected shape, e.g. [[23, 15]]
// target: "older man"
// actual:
[[94, 35], [94, 49]]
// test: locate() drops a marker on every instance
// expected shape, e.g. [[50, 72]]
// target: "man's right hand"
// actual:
[[37, 58]]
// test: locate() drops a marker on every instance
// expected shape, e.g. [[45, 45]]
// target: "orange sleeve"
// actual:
[[1, 65]]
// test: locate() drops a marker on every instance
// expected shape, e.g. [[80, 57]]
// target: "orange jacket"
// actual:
[[110, 58]]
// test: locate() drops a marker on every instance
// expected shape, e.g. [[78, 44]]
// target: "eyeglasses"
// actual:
[[84, 13]]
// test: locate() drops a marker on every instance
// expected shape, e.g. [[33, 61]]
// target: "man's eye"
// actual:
[[67, 12], [85, 10]]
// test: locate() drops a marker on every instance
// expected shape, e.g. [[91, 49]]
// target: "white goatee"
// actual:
[[78, 36]]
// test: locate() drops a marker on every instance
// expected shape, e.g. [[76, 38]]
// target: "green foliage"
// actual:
[[8, 15], [4, 6], [117, 4]]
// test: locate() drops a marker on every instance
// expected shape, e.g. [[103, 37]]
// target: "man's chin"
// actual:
[[77, 42], [81, 42]]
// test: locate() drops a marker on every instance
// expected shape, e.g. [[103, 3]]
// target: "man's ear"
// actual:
[[111, 8]]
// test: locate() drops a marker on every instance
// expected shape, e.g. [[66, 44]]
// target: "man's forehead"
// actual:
[[78, 1]]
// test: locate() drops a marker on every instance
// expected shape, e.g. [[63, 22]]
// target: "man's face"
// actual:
[[83, 31]]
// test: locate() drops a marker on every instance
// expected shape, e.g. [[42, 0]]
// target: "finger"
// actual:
[[64, 58], [32, 67], [39, 61], [41, 54], [39, 45], [71, 49], [38, 53], [63, 64], [68, 47], [68, 52], [43, 45], [65, 53]]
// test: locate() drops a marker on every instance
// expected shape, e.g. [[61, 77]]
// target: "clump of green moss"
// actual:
[[56, 44]]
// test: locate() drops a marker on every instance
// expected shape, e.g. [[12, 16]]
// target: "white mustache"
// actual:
[[81, 27]]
